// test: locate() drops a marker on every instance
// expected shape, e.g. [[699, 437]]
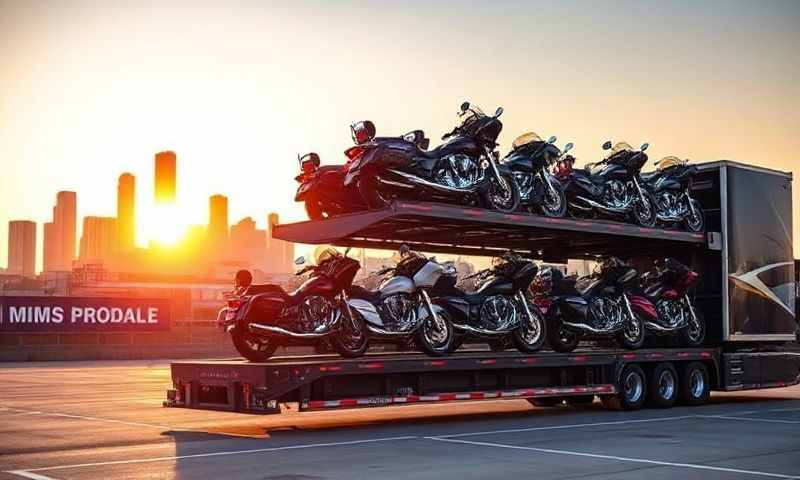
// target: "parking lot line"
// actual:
[[749, 419], [565, 427], [21, 411], [32, 471], [617, 458]]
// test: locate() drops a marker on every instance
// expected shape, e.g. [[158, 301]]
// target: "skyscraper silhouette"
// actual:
[[99, 239], [165, 177], [217, 224], [65, 216], [50, 248], [22, 247], [126, 211]]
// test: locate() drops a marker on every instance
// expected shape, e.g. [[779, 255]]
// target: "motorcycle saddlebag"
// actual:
[[265, 306]]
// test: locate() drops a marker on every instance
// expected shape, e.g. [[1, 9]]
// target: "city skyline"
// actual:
[[111, 240]]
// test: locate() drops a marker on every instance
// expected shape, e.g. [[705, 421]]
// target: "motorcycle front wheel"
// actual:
[[644, 210], [253, 347], [531, 334], [367, 188], [695, 223], [554, 204], [632, 335], [315, 210], [694, 333], [435, 336], [351, 340], [502, 196]]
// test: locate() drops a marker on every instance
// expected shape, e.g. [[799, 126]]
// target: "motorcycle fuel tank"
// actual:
[[395, 285]]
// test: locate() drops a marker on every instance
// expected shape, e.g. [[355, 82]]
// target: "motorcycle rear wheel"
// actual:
[[497, 197], [252, 347], [561, 339]]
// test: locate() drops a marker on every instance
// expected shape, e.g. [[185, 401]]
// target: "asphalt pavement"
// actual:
[[104, 420]]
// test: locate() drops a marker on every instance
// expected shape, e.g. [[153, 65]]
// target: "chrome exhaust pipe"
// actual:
[[660, 328], [590, 329], [273, 330], [433, 185], [605, 208], [387, 333], [481, 331]]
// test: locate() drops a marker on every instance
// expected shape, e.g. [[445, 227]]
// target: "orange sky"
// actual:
[[91, 89]]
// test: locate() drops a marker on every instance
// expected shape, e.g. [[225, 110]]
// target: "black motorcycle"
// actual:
[[612, 187], [500, 309], [595, 306], [323, 191], [530, 160], [261, 317], [463, 171], [671, 185]]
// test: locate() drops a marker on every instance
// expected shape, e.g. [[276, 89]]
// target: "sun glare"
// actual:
[[166, 228]]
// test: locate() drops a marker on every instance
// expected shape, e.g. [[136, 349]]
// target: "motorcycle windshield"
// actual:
[[619, 147], [472, 115], [525, 139], [670, 161]]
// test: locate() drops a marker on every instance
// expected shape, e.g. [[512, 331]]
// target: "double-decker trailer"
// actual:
[[746, 297]]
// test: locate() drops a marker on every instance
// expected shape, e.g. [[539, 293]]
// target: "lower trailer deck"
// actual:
[[327, 381]]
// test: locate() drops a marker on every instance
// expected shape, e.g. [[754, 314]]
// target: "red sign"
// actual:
[[83, 314]]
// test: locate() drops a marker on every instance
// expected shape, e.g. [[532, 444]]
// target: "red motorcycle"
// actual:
[[662, 301]]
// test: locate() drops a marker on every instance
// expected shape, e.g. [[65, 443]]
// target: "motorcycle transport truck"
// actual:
[[746, 296]]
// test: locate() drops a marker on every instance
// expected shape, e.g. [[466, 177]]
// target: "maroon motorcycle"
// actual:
[[322, 189], [662, 301]]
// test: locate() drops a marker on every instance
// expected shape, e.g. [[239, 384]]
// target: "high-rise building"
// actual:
[[248, 244], [99, 240], [22, 247], [65, 216], [217, 223], [50, 248], [165, 177], [126, 211], [281, 253]]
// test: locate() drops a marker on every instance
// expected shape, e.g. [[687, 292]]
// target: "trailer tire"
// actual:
[[695, 385], [663, 387], [632, 390]]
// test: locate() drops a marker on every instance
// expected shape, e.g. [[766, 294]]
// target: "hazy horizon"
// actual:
[[92, 89]]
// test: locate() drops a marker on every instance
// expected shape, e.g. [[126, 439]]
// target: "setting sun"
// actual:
[[164, 226]]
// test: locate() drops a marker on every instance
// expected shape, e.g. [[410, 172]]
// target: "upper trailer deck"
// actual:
[[441, 228]]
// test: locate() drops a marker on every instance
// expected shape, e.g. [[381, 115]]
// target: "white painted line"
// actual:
[[749, 419], [30, 475], [564, 427], [20, 411], [210, 454], [620, 459]]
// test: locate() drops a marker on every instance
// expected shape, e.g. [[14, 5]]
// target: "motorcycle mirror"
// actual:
[[347, 250], [645, 146], [464, 107], [568, 147], [300, 260], [498, 112], [552, 139], [607, 145]]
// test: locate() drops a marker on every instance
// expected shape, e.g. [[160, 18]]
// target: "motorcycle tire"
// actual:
[[510, 201], [351, 340], [253, 347], [632, 336], [425, 340], [699, 223], [560, 339], [558, 210], [369, 192], [529, 340], [645, 217], [693, 337], [314, 210]]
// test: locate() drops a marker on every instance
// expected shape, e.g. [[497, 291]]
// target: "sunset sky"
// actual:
[[89, 90]]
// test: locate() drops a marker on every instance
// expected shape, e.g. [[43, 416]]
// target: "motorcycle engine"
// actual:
[[316, 313], [606, 314], [398, 312], [498, 313], [671, 313], [617, 194], [670, 207], [458, 171]]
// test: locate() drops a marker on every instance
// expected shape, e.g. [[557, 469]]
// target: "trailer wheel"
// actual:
[[632, 390], [695, 385], [663, 387]]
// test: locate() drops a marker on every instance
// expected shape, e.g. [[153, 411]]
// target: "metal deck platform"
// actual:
[[441, 228]]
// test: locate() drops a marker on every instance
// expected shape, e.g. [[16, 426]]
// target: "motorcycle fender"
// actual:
[[422, 310], [643, 306], [367, 310], [395, 285], [428, 275], [302, 192]]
